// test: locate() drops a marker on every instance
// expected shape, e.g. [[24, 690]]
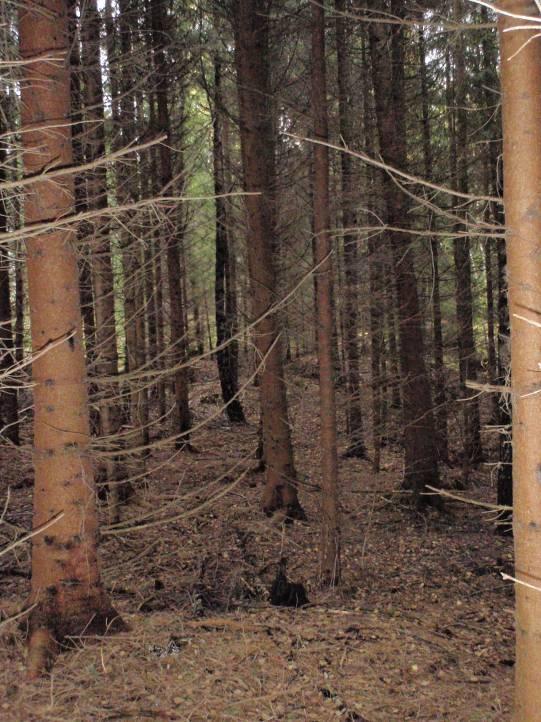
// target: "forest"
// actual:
[[270, 343]]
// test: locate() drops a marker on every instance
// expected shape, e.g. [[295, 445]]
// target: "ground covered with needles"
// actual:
[[422, 628]]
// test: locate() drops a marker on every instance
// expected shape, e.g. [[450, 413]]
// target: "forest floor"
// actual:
[[422, 628]]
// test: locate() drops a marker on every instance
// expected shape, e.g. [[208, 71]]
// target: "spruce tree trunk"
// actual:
[[81, 206], [440, 412], [225, 303], [330, 522], [119, 38], [421, 465], [257, 148], [375, 271], [472, 452], [491, 344], [521, 107], [122, 114], [102, 268], [174, 236], [351, 253], [66, 585], [156, 246]]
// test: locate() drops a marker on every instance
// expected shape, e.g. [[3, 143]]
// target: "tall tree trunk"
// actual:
[[81, 206], [351, 252], [375, 271], [505, 456], [156, 254], [257, 148], [225, 303], [421, 465], [66, 586], [521, 107], [491, 343], [330, 522], [473, 452], [174, 235], [440, 414], [390, 299], [9, 415], [102, 267], [120, 42]]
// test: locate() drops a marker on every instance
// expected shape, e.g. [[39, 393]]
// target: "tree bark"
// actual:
[[502, 361], [174, 239], [351, 251], [81, 206], [66, 585], [257, 149], [440, 412], [102, 268], [330, 521], [521, 108], [467, 360], [224, 294], [421, 464]]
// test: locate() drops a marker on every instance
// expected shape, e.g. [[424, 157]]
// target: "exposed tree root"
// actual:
[[49, 629], [42, 650]]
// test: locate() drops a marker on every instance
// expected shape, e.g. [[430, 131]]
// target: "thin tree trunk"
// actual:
[[351, 254], [124, 117], [156, 252], [505, 455], [257, 148], [521, 107], [85, 278], [330, 521], [173, 241], [390, 299], [421, 465], [473, 452], [375, 272], [491, 344], [440, 414], [66, 586], [102, 267], [225, 304], [377, 348]]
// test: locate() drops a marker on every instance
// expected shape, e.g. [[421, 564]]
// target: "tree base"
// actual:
[[274, 501], [50, 630], [356, 451], [235, 413]]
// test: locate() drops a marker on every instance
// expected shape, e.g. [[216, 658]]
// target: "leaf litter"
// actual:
[[421, 629]]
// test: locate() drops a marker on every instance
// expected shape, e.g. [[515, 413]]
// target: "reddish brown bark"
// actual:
[[102, 270], [421, 466], [467, 359], [440, 411], [257, 148], [346, 110], [224, 292], [66, 586], [173, 238], [330, 523], [521, 107]]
